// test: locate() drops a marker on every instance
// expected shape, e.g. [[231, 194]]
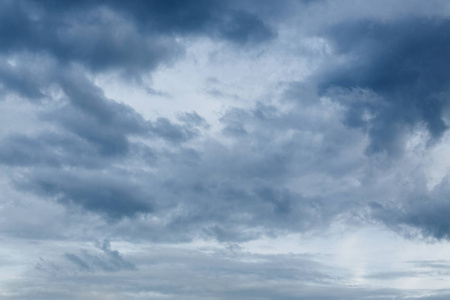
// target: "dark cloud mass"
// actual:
[[170, 126], [404, 67], [406, 64], [132, 37]]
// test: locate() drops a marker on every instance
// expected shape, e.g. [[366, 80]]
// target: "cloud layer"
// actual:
[[318, 116]]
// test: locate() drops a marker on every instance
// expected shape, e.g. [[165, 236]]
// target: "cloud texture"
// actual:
[[165, 123]]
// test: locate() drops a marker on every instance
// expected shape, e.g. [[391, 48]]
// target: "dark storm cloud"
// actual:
[[105, 35], [394, 78], [405, 63], [84, 36], [175, 16]]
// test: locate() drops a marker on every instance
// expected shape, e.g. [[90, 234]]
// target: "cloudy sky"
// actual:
[[233, 149]]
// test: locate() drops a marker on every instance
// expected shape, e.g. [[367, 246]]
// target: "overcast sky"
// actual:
[[233, 149]]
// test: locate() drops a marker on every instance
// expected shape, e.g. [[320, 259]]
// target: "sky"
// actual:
[[256, 149]]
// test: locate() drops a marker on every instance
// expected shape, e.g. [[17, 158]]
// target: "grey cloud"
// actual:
[[199, 17], [47, 148], [77, 261], [392, 79], [244, 28], [162, 127], [87, 37], [170, 273], [432, 264], [444, 295], [230, 273], [98, 152], [107, 123], [405, 63], [49, 267], [90, 131], [415, 219], [133, 37], [20, 80], [393, 275], [101, 259], [110, 194], [419, 213], [108, 261], [248, 180], [422, 269], [84, 163], [294, 163]]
